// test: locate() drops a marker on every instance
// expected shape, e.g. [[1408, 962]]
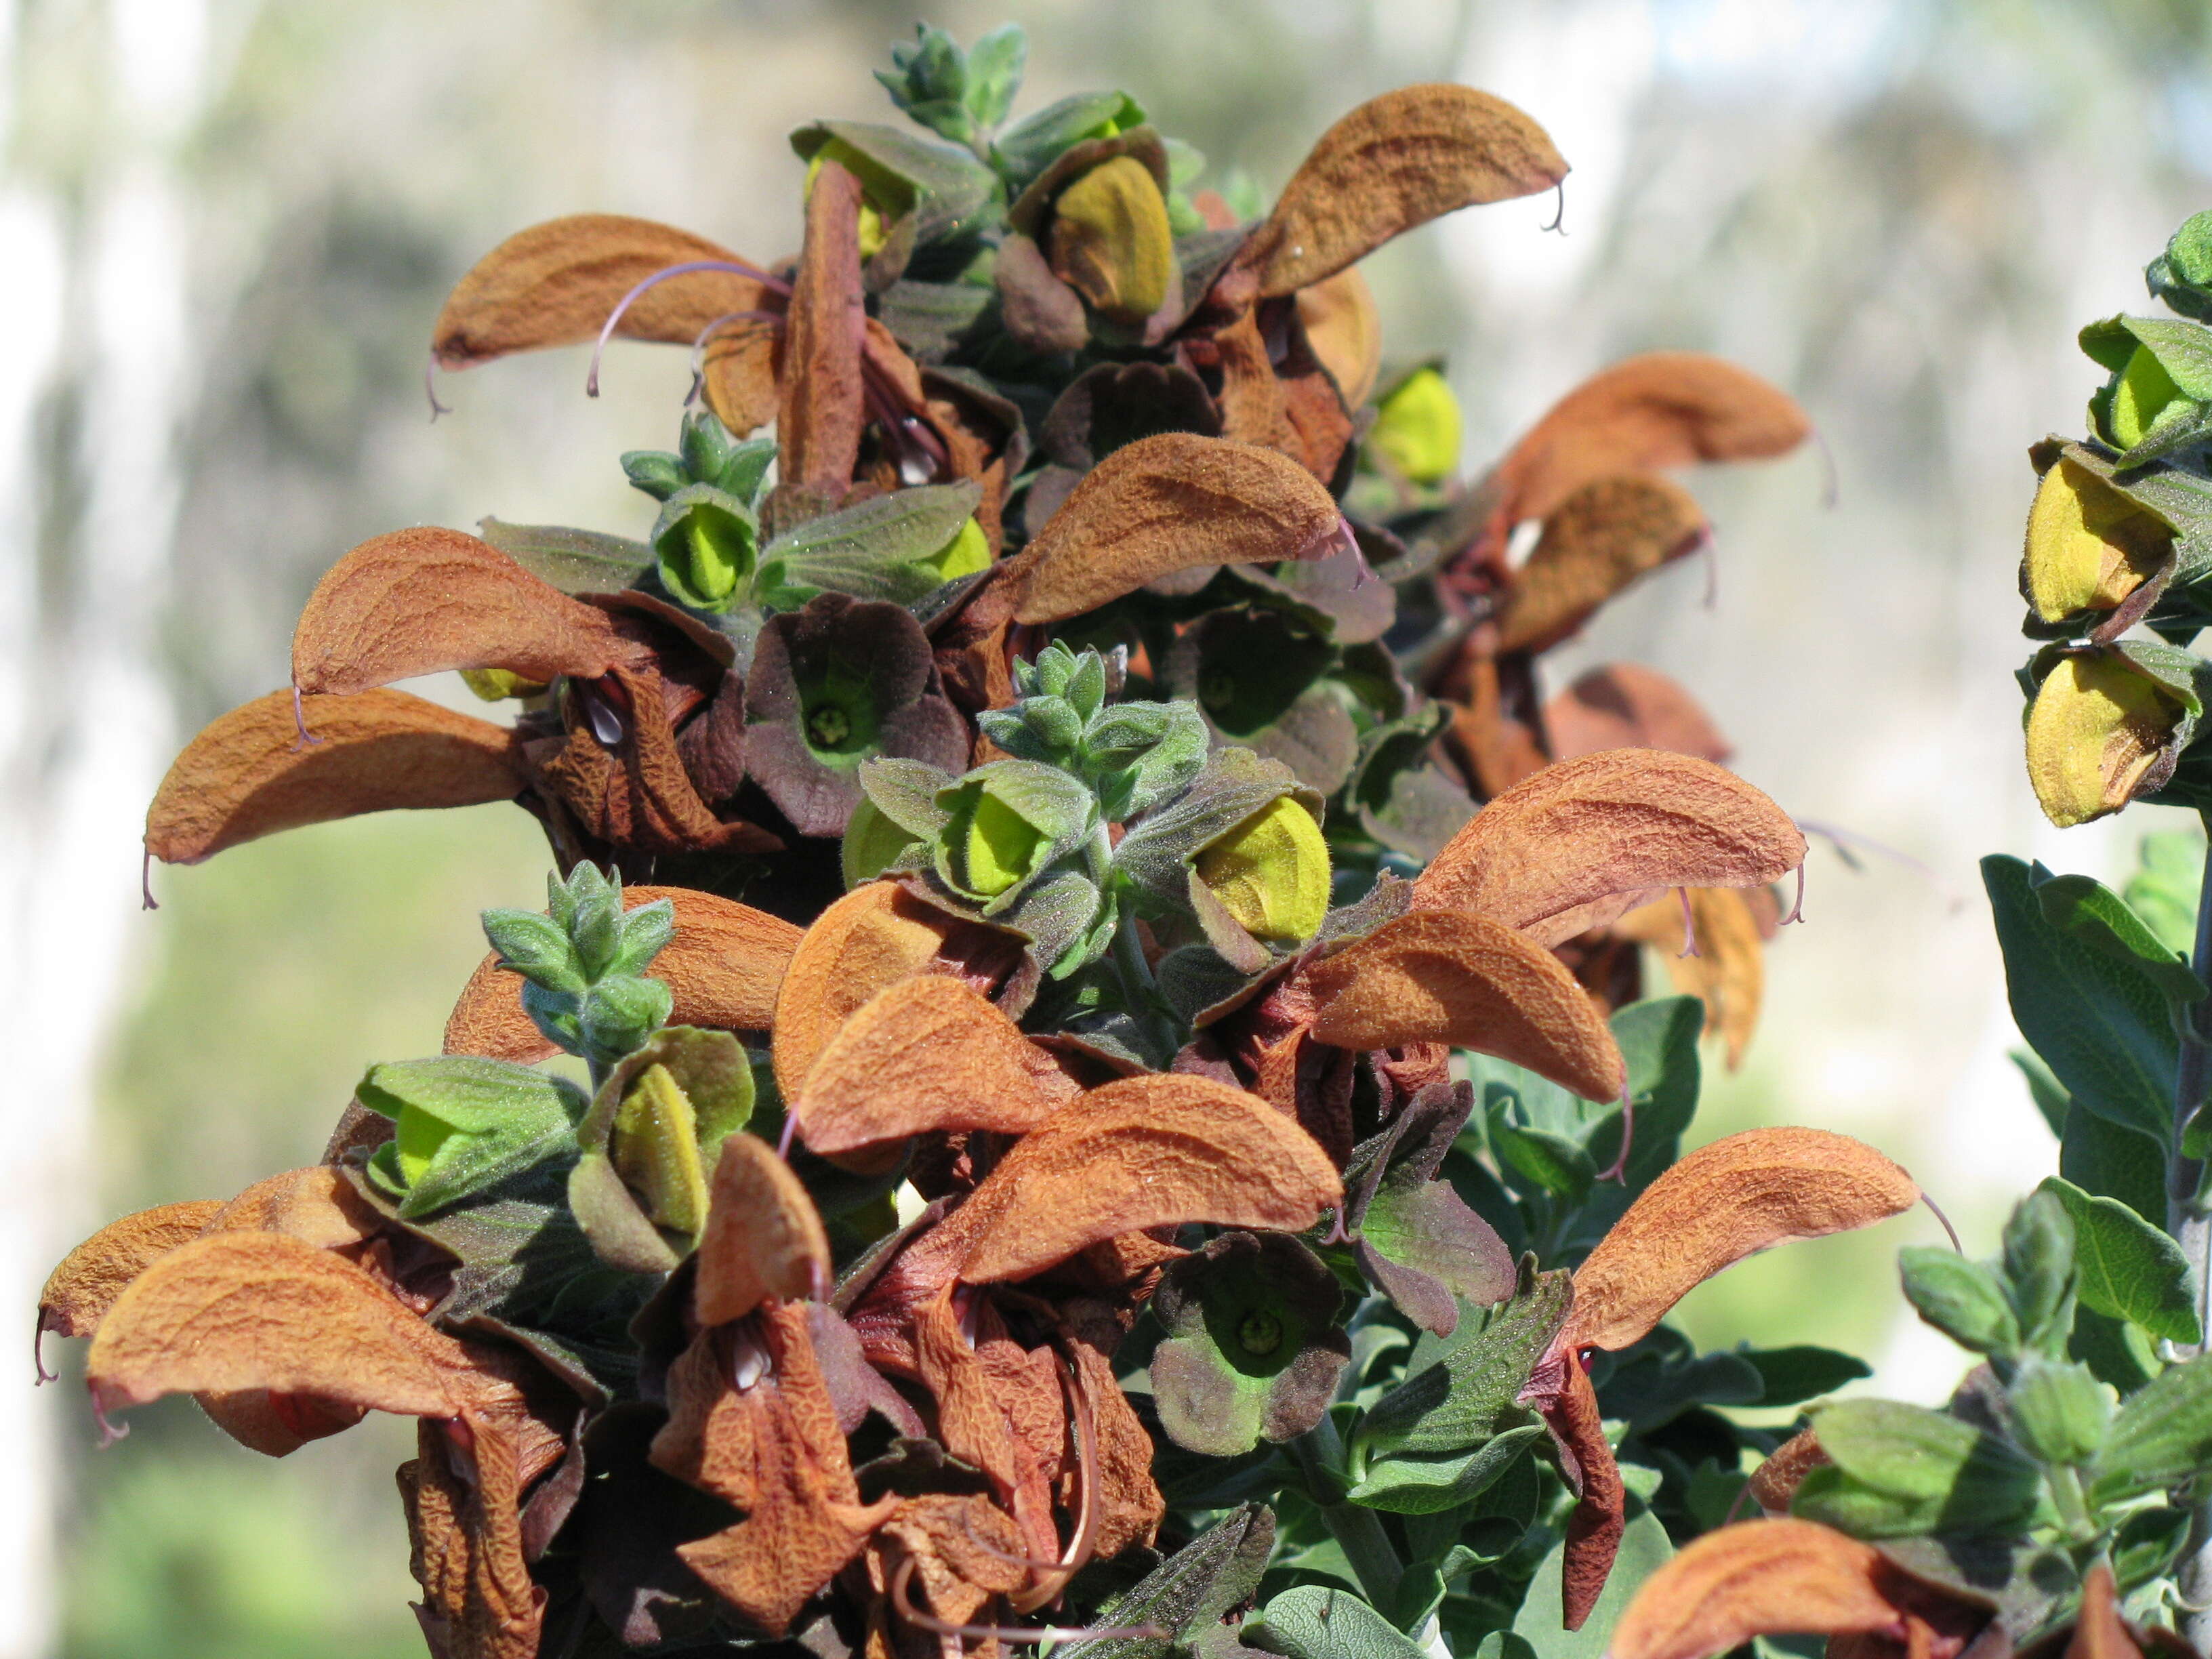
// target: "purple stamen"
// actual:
[[1797, 904], [1336, 1235], [735, 267], [783, 1140], [1560, 219], [430, 388], [39, 1352], [1618, 1172], [1689, 927], [146, 900], [300, 720], [1946, 1220], [109, 1433]]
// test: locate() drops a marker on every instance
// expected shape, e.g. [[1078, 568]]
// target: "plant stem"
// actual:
[[2191, 1222], [1359, 1532]]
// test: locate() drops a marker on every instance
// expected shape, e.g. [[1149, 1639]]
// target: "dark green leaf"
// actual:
[[2098, 916], [1463, 1397], [1963, 1300], [2102, 1025], [2162, 1436], [573, 560], [1315, 1622], [1430, 1486], [1191, 1591], [1793, 1375], [1643, 1550], [2128, 1268], [1935, 1472]]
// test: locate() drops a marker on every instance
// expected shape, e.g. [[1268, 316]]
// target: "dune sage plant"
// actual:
[[2061, 1500], [1084, 1078]]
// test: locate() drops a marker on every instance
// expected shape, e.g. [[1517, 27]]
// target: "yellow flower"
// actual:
[[1417, 428], [1111, 240], [1271, 871], [2088, 546], [2097, 726]]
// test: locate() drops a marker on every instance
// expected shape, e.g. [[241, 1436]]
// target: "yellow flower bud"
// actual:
[[496, 684], [1002, 846], [873, 842], [1271, 871], [1417, 428], [2145, 396], [655, 1148], [968, 552], [1111, 240], [872, 192], [2098, 725], [418, 1137], [2088, 546]]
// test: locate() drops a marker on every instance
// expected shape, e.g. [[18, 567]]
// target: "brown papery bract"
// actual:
[[1344, 330], [1142, 1151], [248, 775], [463, 1493], [79, 1292], [1394, 162], [1598, 541], [1624, 705], [1755, 1579], [1584, 841], [724, 967], [318, 1205], [763, 1237], [1600, 1516], [420, 601], [1720, 1204], [875, 936], [556, 284], [1447, 976], [1166, 503], [927, 1054], [822, 408], [2099, 1632], [1661, 409], [238, 1310]]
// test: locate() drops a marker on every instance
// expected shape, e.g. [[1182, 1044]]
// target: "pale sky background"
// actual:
[[225, 226]]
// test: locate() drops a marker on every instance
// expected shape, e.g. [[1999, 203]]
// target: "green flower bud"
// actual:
[[655, 1149], [873, 194], [1005, 822], [706, 546], [2098, 725], [463, 1125], [2088, 546], [968, 552], [873, 843], [497, 684], [2182, 276], [2143, 398], [1111, 240], [1271, 873], [1417, 428]]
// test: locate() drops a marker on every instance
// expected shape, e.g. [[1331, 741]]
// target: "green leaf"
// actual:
[[1190, 1592], [1465, 1394], [1643, 1550], [535, 947], [573, 560], [1795, 1375], [1430, 1486], [995, 63], [2098, 916], [2042, 1089], [872, 550], [2060, 1412], [1315, 1622], [2102, 1025], [2162, 1436], [464, 1124], [1548, 1163], [1028, 148], [2039, 1270], [2163, 892], [2128, 1268], [1963, 1300], [1934, 1474], [2101, 1157]]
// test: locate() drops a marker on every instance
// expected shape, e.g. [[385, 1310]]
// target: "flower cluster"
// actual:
[[1105, 1084]]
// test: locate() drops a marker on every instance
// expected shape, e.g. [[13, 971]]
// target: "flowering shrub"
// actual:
[[1084, 1078]]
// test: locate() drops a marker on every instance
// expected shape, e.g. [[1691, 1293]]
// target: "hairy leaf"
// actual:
[[1394, 162], [1584, 841], [725, 968], [2128, 1268], [556, 283], [1144, 1151], [420, 601], [80, 1291], [926, 1053], [248, 775], [1720, 1204], [1437, 975], [1169, 502], [1594, 543], [1756, 1578]]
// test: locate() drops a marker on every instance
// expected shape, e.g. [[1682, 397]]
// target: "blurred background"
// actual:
[[226, 225]]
